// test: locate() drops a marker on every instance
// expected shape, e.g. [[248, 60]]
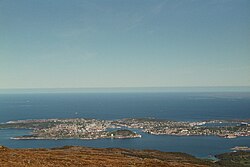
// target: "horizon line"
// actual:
[[130, 89]]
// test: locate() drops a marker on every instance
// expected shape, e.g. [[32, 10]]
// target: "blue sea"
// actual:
[[180, 106]]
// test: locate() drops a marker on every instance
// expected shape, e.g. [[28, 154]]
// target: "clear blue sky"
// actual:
[[124, 43]]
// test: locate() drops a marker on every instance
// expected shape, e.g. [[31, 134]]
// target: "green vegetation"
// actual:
[[234, 159], [28, 125], [122, 133]]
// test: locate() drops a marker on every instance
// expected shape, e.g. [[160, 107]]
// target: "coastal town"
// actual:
[[81, 128], [78, 128], [221, 128]]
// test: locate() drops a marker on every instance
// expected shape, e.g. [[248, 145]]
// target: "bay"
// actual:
[[187, 106]]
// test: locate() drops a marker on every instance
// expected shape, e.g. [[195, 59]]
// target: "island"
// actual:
[[82, 128]]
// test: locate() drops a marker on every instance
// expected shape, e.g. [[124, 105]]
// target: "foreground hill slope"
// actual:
[[84, 156], [232, 159]]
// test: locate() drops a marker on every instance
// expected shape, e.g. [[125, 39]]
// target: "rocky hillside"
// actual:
[[83, 156]]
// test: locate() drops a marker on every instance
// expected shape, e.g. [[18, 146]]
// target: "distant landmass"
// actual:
[[82, 128]]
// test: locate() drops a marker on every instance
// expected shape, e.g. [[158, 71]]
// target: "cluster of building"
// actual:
[[93, 128], [179, 128], [70, 129]]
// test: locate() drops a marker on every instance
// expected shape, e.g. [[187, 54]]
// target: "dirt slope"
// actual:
[[83, 156]]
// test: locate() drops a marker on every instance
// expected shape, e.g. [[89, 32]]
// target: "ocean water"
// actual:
[[186, 106]]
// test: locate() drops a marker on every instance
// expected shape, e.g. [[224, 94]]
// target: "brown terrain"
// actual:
[[84, 156]]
